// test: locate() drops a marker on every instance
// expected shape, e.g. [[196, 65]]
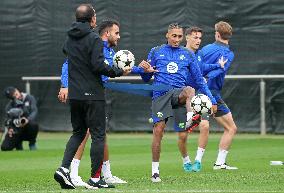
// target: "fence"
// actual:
[[261, 78]]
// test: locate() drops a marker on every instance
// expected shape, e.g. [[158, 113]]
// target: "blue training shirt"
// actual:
[[211, 54], [174, 65], [108, 54], [204, 68]]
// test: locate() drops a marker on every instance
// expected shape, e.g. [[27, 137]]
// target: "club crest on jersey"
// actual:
[[182, 57], [159, 114], [172, 67], [199, 58]]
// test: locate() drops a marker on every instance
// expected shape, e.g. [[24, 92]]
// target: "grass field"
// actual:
[[130, 155]]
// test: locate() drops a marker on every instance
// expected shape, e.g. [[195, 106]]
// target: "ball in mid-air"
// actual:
[[201, 104], [123, 59]]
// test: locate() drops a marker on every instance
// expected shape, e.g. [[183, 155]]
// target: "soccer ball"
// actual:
[[201, 104], [123, 59]]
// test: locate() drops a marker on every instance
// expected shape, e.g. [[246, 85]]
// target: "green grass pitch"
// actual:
[[130, 155]]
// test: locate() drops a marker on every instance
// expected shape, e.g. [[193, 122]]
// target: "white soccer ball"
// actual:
[[201, 104], [123, 59]]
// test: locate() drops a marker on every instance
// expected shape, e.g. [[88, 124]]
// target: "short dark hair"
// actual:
[[193, 29], [174, 26], [105, 24], [84, 13], [9, 92]]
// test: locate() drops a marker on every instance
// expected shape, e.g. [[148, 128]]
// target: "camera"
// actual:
[[15, 118]]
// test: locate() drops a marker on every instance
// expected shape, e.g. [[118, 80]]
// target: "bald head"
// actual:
[[84, 13]]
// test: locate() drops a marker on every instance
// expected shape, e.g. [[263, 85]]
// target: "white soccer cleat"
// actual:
[[114, 180], [77, 181], [156, 178], [223, 167]]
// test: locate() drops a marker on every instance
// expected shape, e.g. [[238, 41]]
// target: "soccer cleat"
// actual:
[[77, 181], [114, 180], [223, 167], [187, 167], [156, 178], [100, 184], [193, 122], [63, 178], [196, 167]]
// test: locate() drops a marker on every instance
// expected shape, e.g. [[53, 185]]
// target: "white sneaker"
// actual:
[[77, 181], [114, 180], [156, 178], [223, 167]]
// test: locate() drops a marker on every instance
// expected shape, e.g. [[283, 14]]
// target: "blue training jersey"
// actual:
[[174, 65], [211, 54], [204, 68], [108, 54]]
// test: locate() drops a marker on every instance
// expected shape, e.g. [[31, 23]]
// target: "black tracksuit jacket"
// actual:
[[84, 50]]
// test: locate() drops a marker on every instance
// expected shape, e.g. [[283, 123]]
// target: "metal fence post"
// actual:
[[262, 108], [28, 87]]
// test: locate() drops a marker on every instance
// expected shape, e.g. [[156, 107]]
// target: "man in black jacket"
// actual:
[[20, 124], [84, 50]]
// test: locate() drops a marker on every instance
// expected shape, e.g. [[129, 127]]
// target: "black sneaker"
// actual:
[[100, 184], [63, 178]]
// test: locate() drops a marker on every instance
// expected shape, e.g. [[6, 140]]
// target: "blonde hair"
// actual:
[[225, 30]]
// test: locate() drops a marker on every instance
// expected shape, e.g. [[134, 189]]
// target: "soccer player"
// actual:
[[174, 64], [193, 37], [215, 80]]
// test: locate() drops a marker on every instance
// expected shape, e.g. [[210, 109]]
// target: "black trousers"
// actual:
[[84, 115], [27, 133]]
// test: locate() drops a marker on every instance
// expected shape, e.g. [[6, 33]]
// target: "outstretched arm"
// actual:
[[214, 73]]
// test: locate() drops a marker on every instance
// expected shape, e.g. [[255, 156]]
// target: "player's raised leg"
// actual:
[[230, 130], [185, 97]]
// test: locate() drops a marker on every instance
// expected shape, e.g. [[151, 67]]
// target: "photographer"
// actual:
[[20, 126]]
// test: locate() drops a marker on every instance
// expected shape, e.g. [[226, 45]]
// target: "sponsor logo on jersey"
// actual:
[[172, 67], [162, 55]]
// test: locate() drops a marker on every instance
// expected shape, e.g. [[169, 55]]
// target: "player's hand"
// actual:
[[147, 67], [222, 62], [63, 95], [126, 71], [214, 109]]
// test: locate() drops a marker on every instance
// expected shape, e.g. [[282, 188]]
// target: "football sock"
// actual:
[[221, 159], [106, 169], [199, 154], [95, 179], [74, 167], [155, 168], [186, 160], [189, 115]]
